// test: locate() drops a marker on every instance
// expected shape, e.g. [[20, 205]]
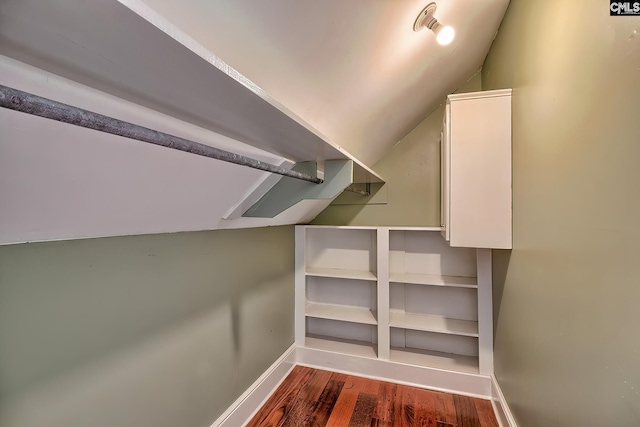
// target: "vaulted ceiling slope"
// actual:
[[355, 70], [286, 82]]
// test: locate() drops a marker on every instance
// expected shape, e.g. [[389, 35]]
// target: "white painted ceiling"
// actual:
[[354, 69]]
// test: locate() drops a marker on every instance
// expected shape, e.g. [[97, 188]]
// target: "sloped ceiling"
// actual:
[[354, 72], [355, 69]]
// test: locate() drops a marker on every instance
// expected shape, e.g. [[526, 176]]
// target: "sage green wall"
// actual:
[[158, 330], [412, 174], [567, 300]]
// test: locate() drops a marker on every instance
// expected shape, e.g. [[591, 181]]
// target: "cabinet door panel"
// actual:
[[480, 173]]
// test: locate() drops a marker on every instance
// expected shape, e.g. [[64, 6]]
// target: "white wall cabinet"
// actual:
[[476, 170], [399, 295]]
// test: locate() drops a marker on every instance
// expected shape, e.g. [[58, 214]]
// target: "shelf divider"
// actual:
[[384, 333]]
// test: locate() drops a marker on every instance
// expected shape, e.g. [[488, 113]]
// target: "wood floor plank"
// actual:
[[404, 407], [386, 398], [339, 376], [380, 423], [274, 411], [485, 413], [425, 408], [318, 398], [363, 410], [344, 406], [326, 403], [445, 410], [314, 387], [367, 385], [299, 414], [346, 403], [466, 415]]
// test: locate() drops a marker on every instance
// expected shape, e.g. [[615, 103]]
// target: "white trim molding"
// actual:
[[473, 385], [246, 406], [467, 384], [500, 407]]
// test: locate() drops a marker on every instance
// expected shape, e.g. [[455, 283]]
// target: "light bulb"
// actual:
[[446, 35]]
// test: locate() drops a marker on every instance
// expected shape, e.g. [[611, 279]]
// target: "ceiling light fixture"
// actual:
[[444, 34]]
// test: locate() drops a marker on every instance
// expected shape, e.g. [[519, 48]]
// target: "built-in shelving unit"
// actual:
[[400, 295], [432, 300], [339, 290]]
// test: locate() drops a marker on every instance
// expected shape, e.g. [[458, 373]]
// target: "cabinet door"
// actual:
[[480, 172]]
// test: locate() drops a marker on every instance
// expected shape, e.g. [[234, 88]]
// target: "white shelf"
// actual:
[[343, 313], [341, 227], [432, 229], [337, 345], [427, 323], [434, 280], [435, 359], [339, 273]]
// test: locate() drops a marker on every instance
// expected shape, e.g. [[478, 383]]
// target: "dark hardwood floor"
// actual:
[[312, 397]]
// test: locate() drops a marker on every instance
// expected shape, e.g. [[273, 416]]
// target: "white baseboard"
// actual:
[[245, 407], [472, 385], [500, 407]]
